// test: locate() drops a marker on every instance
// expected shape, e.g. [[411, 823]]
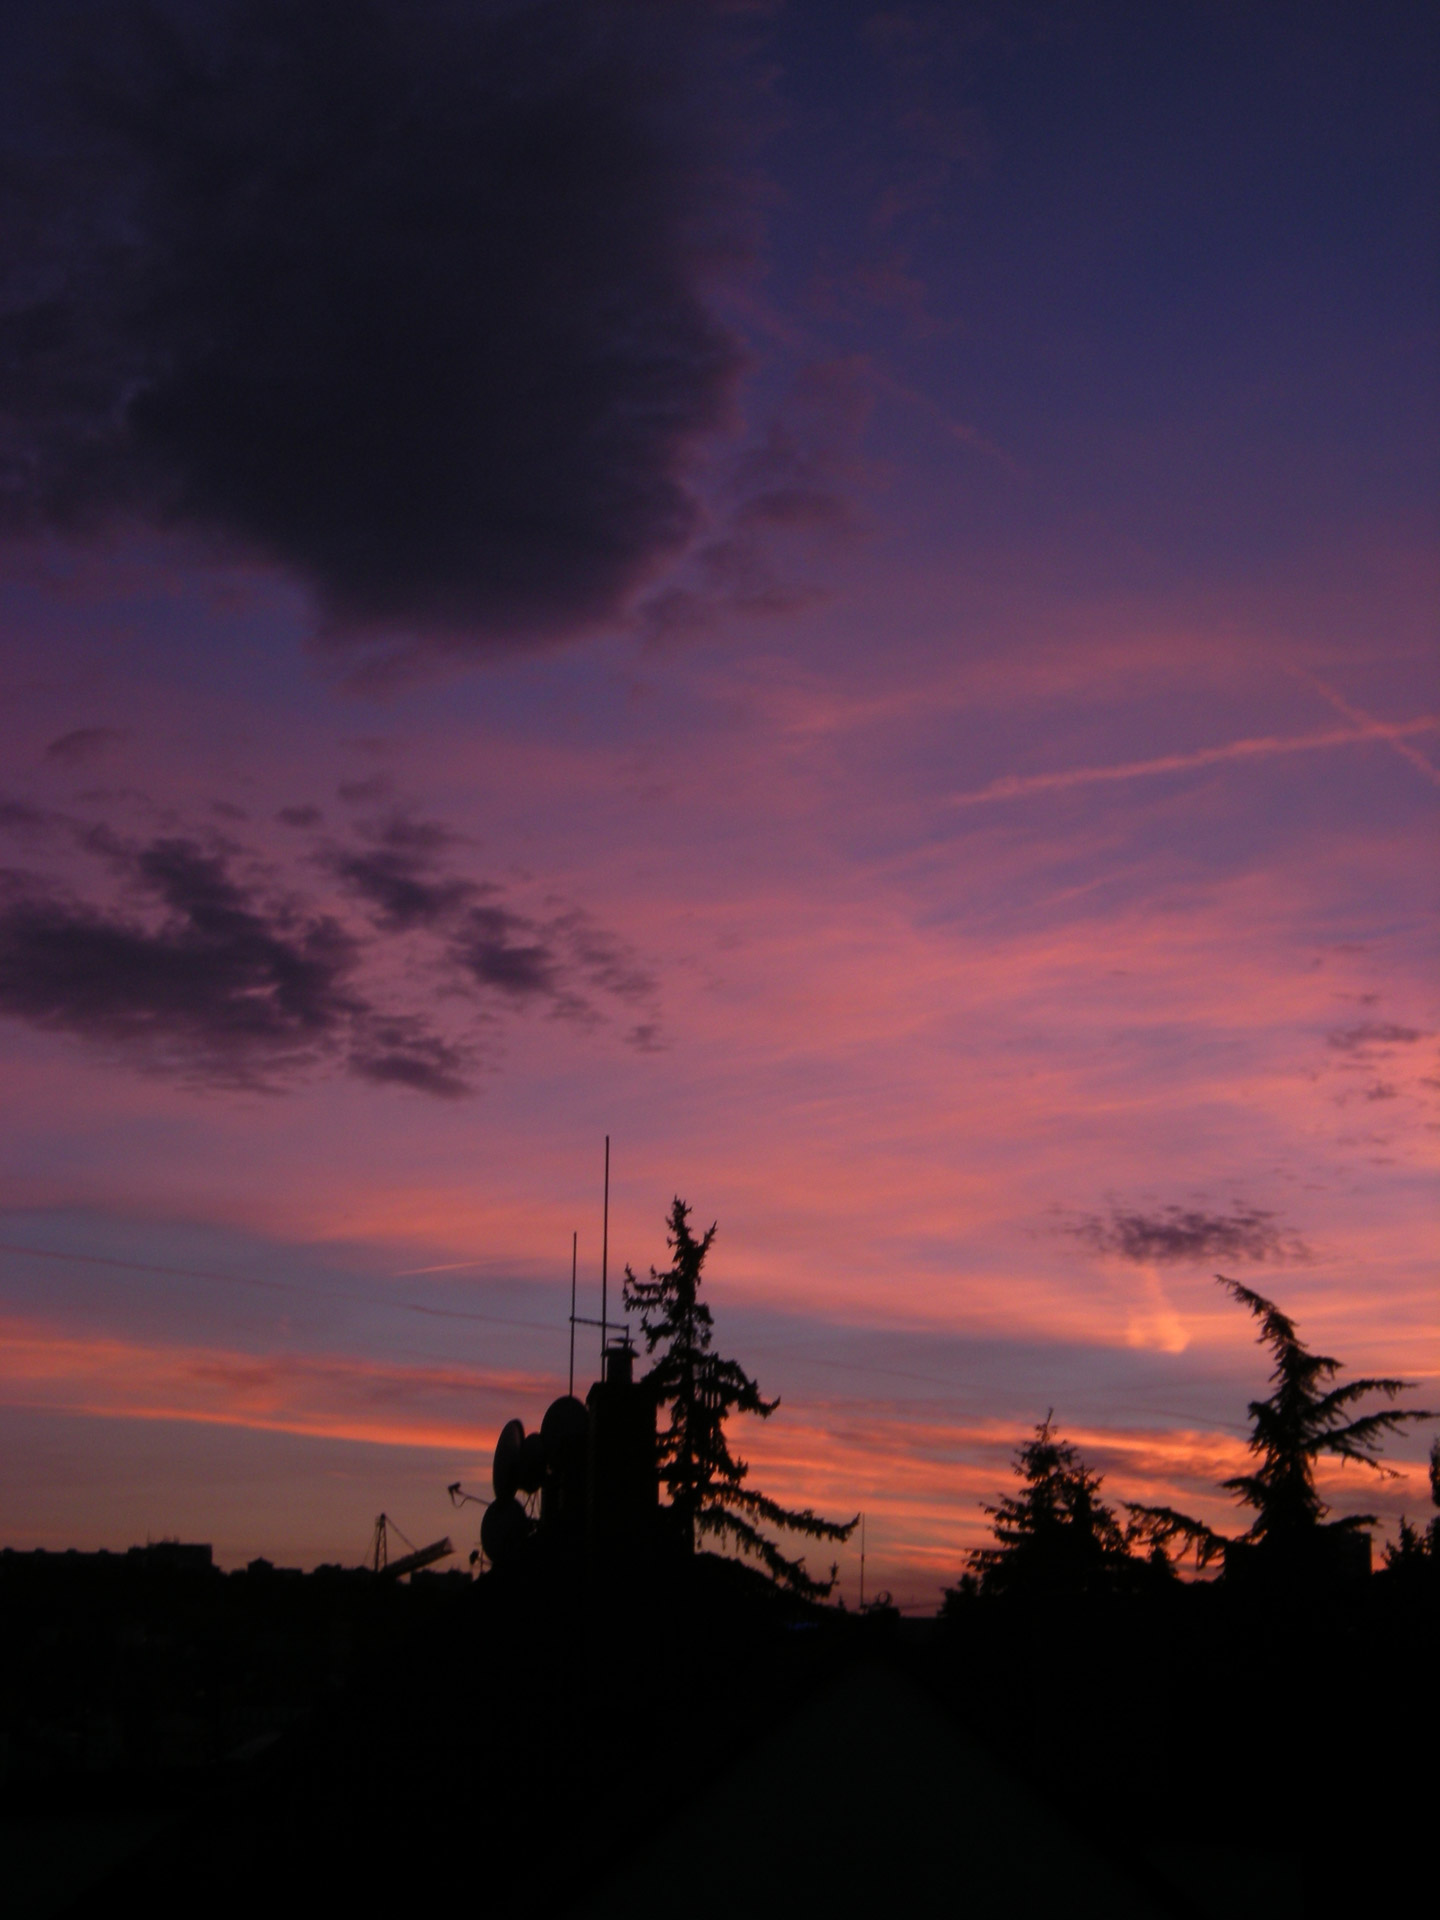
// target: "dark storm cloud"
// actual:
[[394, 872], [1373, 1033], [398, 1051], [788, 499], [1177, 1235], [498, 949], [21, 817], [401, 295], [195, 962], [359, 793], [396, 882], [220, 986], [83, 745], [607, 963], [398, 889], [563, 958], [565, 961]]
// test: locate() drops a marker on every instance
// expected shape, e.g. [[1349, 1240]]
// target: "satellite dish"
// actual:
[[505, 1474], [505, 1529], [531, 1470], [565, 1425]]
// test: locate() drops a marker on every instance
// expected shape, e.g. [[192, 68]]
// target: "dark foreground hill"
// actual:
[[692, 1741]]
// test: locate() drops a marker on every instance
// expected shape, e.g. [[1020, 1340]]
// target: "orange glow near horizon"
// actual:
[[323, 1398], [921, 1476], [956, 801]]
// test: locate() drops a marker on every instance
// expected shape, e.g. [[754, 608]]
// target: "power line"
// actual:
[[329, 1290], [950, 1384]]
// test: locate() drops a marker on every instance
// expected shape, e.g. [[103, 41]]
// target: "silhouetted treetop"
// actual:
[[1158, 1528], [705, 1482], [1056, 1536], [1418, 1550], [1304, 1417]]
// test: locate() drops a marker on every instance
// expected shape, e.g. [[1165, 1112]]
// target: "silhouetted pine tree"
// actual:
[[1417, 1551], [705, 1482], [1056, 1536], [1304, 1417], [1157, 1527]]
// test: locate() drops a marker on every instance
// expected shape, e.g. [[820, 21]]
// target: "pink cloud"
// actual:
[[354, 1399]]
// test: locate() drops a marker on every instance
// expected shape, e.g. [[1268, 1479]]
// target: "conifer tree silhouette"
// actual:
[[1304, 1417], [706, 1483], [1056, 1536], [1158, 1527], [1416, 1551]]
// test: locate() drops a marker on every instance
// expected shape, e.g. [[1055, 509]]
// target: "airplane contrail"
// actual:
[[1016, 786], [446, 1266], [1360, 717]]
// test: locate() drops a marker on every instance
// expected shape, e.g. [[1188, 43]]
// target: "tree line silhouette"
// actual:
[[1123, 1698], [1055, 1535]]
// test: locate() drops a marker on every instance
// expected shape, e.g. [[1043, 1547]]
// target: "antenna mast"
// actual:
[[605, 1264], [583, 1320], [574, 1258]]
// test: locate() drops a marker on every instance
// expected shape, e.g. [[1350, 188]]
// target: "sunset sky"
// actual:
[[845, 595]]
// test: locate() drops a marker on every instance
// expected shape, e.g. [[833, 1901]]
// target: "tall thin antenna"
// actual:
[[574, 1261], [605, 1264], [862, 1563]]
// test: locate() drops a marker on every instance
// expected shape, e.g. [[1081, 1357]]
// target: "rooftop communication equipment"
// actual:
[[411, 1562], [580, 1319], [505, 1528], [505, 1473], [531, 1470], [566, 1423], [593, 1462]]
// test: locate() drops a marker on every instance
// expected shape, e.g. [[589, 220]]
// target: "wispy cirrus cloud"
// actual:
[[1019, 786]]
